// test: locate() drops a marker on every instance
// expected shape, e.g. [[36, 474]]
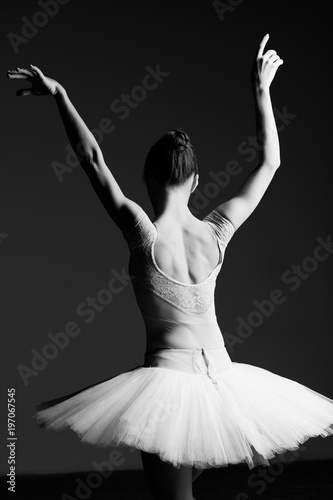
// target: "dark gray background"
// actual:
[[62, 246]]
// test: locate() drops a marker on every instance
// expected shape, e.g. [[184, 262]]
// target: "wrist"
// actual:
[[262, 90], [59, 91]]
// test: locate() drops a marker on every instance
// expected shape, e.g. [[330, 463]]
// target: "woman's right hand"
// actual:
[[265, 66], [40, 84]]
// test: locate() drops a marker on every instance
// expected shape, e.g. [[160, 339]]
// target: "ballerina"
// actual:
[[188, 407]]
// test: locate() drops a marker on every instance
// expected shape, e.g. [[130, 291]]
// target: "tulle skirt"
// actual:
[[194, 407]]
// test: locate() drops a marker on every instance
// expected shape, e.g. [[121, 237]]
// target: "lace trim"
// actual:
[[160, 271], [192, 298]]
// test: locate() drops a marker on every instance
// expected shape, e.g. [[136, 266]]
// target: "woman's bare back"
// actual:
[[185, 252]]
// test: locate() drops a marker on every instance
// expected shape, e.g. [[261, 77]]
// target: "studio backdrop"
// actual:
[[135, 70]]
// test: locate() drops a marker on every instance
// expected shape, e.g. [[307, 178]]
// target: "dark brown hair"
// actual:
[[171, 160]]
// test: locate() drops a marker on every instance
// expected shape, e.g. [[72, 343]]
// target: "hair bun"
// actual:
[[182, 137]]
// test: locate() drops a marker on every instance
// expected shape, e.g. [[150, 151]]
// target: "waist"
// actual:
[[162, 333], [168, 326], [198, 360]]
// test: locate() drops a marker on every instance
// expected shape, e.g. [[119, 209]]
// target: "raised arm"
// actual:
[[122, 210], [240, 207]]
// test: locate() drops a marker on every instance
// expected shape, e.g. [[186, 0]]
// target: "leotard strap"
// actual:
[[222, 227]]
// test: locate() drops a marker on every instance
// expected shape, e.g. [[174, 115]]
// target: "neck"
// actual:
[[173, 204]]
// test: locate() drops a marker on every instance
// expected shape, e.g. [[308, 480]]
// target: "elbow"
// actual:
[[92, 159], [91, 156], [95, 156]]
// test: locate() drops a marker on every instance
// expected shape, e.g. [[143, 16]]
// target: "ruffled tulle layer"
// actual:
[[244, 414]]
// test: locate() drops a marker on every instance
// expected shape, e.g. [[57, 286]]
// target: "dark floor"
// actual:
[[295, 481]]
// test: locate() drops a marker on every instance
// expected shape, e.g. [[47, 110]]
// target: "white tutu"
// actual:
[[194, 407]]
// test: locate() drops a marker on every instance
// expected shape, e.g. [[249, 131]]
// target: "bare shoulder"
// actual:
[[193, 228], [200, 230], [186, 251]]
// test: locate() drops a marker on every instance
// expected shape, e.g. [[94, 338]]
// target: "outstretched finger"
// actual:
[[262, 45], [16, 75], [36, 69], [23, 71]]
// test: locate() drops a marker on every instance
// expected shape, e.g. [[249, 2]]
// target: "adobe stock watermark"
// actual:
[[161, 412], [30, 27], [104, 469], [223, 8], [249, 148], [293, 278], [267, 475], [121, 107], [87, 309], [95, 479]]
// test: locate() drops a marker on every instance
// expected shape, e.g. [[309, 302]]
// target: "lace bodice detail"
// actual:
[[195, 299]]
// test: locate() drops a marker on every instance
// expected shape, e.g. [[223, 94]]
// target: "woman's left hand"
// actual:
[[40, 84]]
